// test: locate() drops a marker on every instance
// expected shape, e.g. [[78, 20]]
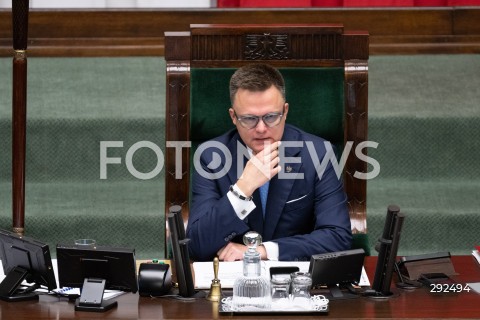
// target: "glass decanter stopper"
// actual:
[[252, 290]]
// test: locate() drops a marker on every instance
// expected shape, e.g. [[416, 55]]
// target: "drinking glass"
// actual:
[[301, 285], [280, 287]]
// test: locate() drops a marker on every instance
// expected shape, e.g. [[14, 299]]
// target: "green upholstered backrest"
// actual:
[[315, 97], [361, 241]]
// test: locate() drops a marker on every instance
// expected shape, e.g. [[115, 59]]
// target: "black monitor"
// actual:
[[387, 248], [24, 258], [94, 269], [337, 270]]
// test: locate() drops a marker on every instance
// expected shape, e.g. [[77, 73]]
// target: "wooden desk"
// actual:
[[419, 303]]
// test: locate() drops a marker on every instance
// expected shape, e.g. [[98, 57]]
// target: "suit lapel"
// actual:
[[232, 147], [280, 189], [278, 194]]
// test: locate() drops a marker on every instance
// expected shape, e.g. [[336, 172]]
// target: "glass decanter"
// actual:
[[252, 291]]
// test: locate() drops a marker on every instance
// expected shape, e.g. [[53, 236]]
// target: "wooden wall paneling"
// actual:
[[140, 32]]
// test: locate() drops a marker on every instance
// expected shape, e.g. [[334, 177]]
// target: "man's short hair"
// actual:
[[256, 77]]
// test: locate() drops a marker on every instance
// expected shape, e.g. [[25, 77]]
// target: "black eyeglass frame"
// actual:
[[270, 125]]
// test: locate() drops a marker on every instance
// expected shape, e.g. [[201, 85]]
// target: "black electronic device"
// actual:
[[425, 256], [387, 248], [411, 269], [430, 279], [337, 270], [94, 269], [154, 279], [24, 258], [181, 257], [283, 271]]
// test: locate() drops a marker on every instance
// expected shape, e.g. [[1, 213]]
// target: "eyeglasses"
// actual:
[[271, 119]]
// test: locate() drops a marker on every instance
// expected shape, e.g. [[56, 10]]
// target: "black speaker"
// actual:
[[154, 279]]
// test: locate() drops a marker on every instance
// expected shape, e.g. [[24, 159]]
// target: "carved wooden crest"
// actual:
[[266, 47]]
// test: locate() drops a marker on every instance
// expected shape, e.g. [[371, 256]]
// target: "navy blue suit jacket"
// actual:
[[304, 216]]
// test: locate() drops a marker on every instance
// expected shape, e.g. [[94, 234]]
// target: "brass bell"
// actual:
[[215, 293]]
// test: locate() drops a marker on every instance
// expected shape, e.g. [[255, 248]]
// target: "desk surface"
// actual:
[[419, 303]]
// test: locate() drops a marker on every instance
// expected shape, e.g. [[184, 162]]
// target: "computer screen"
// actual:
[[342, 267], [337, 270], [114, 264], [94, 269], [24, 258]]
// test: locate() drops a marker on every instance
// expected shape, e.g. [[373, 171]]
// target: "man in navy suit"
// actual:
[[303, 210]]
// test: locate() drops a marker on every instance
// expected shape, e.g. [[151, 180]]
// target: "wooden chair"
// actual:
[[326, 74]]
